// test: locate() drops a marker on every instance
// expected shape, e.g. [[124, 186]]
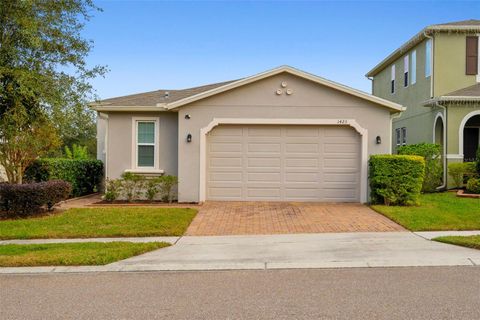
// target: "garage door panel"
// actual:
[[225, 162], [227, 131], [264, 147], [263, 193], [264, 131], [267, 162], [263, 176], [301, 177], [227, 176], [283, 163], [299, 162], [302, 148], [340, 148], [306, 132], [225, 147]]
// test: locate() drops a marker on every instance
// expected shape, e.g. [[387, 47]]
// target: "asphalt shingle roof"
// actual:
[[152, 98], [472, 91]]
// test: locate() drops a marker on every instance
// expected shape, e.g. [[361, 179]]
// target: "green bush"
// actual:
[[473, 185], [461, 171], [433, 163], [477, 162], [132, 187], [29, 198], [84, 175], [396, 179]]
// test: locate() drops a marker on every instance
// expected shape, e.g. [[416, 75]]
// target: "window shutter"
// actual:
[[472, 55]]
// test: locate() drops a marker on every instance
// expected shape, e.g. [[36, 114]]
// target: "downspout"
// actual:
[[444, 184]]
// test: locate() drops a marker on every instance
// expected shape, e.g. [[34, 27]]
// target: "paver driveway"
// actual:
[[243, 218]]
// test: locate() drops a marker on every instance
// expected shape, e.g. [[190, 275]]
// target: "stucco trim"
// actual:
[[462, 126], [133, 164], [158, 108], [246, 121], [438, 115], [455, 156], [302, 74]]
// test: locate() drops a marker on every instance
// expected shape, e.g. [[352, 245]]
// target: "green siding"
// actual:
[[449, 63], [417, 119]]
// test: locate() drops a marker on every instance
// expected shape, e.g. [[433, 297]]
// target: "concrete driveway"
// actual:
[[327, 250], [218, 218]]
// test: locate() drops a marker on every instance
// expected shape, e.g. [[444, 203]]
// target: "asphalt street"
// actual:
[[357, 293]]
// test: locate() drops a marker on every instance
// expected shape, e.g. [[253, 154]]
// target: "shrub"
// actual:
[[433, 163], [168, 183], [28, 199], [113, 189], [396, 179], [473, 185], [132, 185], [76, 152], [460, 172], [477, 162], [152, 187], [84, 175]]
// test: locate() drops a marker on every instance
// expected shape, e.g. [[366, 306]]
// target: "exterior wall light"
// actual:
[[189, 138], [187, 116], [379, 140]]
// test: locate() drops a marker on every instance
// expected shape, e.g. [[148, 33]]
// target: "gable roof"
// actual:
[[191, 95], [471, 25]]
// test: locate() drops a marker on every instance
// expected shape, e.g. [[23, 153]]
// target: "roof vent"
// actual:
[[166, 95]]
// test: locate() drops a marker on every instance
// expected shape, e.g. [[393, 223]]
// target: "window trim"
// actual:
[[134, 163], [398, 137], [404, 136], [406, 71], [428, 58], [392, 79], [413, 66]]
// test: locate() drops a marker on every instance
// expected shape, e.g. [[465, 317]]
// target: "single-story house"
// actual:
[[280, 135]]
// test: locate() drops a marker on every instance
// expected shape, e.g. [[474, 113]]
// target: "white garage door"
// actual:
[[283, 163]]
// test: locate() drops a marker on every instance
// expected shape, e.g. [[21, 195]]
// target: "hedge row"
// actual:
[[396, 179], [28, 199], [85, 176]]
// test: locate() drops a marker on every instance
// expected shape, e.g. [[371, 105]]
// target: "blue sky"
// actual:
[[148, 45]]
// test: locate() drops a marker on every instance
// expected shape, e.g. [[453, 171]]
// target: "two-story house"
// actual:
[[436, 75]]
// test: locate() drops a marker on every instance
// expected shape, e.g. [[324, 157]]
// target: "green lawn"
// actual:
[[72, 254], [101, 222], [437, 211], [469, 241]]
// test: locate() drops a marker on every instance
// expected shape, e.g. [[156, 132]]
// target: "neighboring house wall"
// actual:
[[449, 63], [120, 142], [417, 119], [259, 101], [101, 136]]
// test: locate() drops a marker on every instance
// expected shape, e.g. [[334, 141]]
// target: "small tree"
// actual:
[[23, 139], [132, 185], [76, 152]]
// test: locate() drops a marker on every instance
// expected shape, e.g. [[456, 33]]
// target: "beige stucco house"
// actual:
[[280, 135]]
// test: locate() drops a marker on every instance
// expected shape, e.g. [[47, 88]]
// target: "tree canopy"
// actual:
[[44, 76]]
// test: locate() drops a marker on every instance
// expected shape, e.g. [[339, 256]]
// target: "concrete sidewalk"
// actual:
[[295, 251]]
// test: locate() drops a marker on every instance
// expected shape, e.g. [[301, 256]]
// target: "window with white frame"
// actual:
[[404, 136], [146, 143], [405, 71], [392, 80], [413, 71], [428, 58], [398, 137]]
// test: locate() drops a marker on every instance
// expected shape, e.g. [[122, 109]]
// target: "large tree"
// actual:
[[43, 73]]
